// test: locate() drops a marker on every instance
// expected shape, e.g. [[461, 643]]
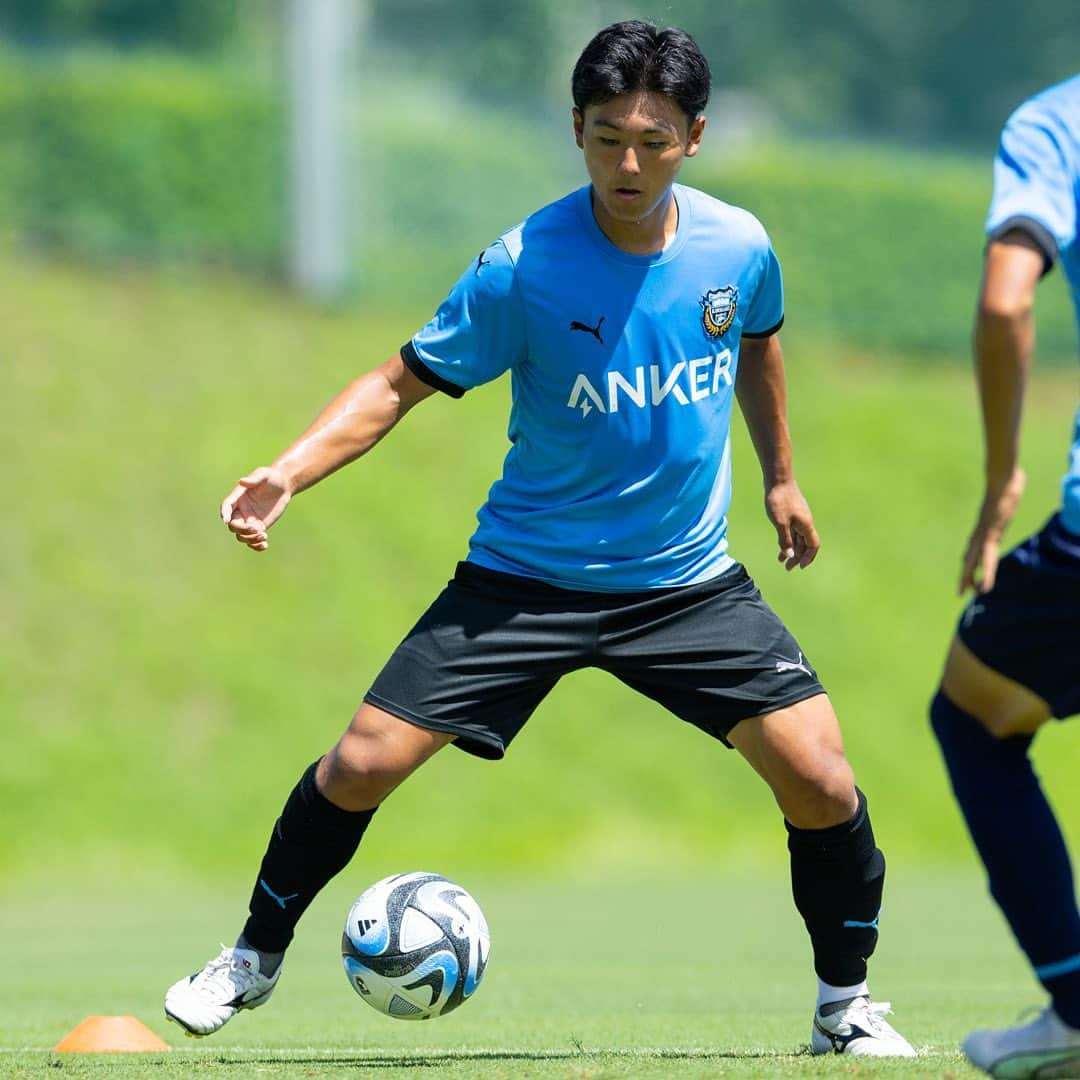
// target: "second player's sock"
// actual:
[[1021, 846], [837, 877], [311, 842]]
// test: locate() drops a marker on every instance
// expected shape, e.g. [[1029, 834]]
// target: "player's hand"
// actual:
[[256, 502], [984, 548], [795, 533]]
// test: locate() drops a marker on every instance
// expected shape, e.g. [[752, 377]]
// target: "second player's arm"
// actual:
[[761, 388], [347, 428], [1004, 344]]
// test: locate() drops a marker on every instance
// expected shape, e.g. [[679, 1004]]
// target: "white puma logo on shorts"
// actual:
[[973, 609], [798, 664]]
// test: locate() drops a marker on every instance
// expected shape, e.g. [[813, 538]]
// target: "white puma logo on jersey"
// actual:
[[798, 664]]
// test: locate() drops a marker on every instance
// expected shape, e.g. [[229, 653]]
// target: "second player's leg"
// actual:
[[1002, 706], [984, 723]]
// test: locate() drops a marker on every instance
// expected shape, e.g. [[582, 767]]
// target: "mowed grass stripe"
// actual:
[[614, 978]]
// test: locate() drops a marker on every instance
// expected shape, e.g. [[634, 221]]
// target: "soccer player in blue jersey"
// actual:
[[630, 315], [1015, 660]]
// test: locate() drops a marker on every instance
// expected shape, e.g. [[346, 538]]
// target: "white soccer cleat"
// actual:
[[206, 1001], [1046, 1047], [858, 1028]]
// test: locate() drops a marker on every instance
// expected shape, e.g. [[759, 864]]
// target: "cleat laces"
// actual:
[[225, 975]]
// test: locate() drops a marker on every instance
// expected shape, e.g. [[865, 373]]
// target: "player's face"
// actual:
[[634, 145]]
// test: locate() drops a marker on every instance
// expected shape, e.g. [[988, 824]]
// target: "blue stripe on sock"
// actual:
[[1062, 967], [854, 924]]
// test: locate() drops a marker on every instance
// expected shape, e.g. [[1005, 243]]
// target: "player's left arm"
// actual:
[[761, 389]]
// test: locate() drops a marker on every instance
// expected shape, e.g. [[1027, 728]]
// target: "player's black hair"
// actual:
[[632, 56]]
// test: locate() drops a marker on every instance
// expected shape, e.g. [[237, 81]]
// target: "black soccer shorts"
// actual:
[[492, 645], [1028, 625]]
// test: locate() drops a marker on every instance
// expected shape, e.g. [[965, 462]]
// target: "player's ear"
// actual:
[[693, 140], [579, 127]]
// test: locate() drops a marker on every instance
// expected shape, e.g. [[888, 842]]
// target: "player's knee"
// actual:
[[345, 781], [362, 770], [824, 797], [998, 719], [978, 761]]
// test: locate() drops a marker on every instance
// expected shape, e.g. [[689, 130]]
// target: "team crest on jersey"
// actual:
[[719, 307]]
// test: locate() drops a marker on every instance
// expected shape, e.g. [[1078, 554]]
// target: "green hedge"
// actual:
[[143, 156], [882, 247]]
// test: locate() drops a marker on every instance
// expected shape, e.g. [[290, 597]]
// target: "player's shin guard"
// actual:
[[837, 876], [311, 842], [1021, 846]]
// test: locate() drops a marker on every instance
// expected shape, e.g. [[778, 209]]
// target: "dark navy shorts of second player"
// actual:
[[1028, 626], [492, 645]]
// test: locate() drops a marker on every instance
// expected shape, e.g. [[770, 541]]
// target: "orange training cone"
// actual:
[[109, 1035]]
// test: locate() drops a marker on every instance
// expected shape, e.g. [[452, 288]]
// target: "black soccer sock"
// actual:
[[311, 842], [1020, 844], [837, 876]]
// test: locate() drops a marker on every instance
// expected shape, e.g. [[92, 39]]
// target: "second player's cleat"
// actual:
[[857, 1027], [1046, 1047], [206, 1001]]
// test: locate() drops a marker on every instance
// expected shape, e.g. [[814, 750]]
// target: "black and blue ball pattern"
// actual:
[[415, 946]]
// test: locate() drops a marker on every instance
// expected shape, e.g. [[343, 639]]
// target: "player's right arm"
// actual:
[[1004, 343], [346, 429]]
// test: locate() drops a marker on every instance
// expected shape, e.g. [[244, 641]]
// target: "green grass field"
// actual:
[[144, 653], [160, 681], [595, 978], [156, 681]]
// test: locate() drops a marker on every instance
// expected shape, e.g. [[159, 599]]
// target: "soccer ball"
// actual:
[[415, 946]]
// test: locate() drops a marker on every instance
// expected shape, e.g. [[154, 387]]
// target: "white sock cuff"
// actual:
[[827, 993]]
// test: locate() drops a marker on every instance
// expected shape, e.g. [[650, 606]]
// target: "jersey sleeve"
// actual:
[[766, 312], [1033, 186], [478, 331]]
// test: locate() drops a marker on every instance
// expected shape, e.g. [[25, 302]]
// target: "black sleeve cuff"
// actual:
[[764, 333], [425, 374], [1038, 232]]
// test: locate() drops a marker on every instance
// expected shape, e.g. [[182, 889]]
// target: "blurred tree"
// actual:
[[915, 70], [503, 53], [182, 24]]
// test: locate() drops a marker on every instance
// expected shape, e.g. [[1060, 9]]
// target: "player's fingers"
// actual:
[[804, 544], [228, 505], [795, 552], [969, 566], [253, 479], [242, 525], [989, 567], [784, 541], [811, 545]]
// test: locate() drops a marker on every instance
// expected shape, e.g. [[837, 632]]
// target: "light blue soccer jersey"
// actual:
[[622, 371], [1037, 187]]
